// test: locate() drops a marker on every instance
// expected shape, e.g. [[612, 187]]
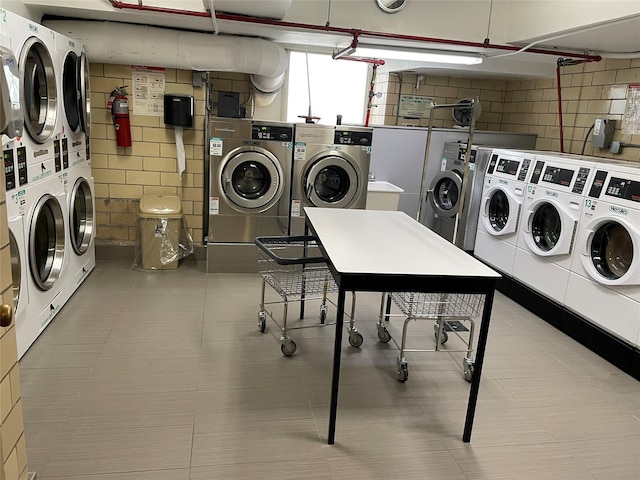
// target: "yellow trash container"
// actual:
[[160, 221]]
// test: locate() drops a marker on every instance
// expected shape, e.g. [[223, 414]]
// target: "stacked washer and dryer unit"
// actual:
[[38, 183], [262, 175]]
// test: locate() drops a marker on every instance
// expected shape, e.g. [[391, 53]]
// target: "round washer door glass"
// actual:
[[252, 180], [331, 181], [81, 216], [498, 210], [71, 91], [446, 193], [39, 91], [611, 250], [546, 227], [16, 270], [46, 242], [85, 94]]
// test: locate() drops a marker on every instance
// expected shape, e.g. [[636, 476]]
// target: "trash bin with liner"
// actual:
[[160, 224]]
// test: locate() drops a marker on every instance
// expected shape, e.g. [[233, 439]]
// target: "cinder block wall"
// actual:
[[149, 166], [589, 90], [13, 450]]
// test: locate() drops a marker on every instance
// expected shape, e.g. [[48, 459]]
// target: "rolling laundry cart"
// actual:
[[452, 313], [295, 269]]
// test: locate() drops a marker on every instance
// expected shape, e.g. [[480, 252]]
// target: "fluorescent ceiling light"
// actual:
[[418, 55]]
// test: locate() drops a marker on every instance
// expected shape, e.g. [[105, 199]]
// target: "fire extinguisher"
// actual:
[[119, 106]]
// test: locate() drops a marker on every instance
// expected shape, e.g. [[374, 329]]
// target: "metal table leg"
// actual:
[[475, 383], [336, 366]]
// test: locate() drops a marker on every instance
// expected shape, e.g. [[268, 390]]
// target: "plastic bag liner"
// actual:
[[162, 238]]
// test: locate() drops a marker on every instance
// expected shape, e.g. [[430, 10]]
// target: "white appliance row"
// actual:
[[50, 200], [567, 227]]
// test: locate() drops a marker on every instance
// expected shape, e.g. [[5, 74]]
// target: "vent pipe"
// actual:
[[129, 44]]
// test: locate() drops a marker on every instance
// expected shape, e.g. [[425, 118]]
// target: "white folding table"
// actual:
[[386, 251]]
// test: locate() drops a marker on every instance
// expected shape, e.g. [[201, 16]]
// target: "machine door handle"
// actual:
[[6, 315], [308, 189]]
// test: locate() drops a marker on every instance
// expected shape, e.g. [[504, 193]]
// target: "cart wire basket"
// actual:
[[452, 312], [296, 270]]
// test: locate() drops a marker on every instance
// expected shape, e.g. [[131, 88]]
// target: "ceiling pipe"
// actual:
[[355, 33]]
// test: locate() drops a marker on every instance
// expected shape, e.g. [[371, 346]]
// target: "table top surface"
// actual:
[[376, 242]]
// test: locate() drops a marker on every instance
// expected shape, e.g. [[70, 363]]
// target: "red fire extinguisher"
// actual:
[[119, 106]]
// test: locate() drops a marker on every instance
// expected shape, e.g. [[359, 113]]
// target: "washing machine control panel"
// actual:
[[9, 169], [21, 160], [581, 180], [346, 137], [624, 189], [272, 132]]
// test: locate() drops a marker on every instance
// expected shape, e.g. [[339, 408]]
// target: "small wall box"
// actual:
[[178, 110]]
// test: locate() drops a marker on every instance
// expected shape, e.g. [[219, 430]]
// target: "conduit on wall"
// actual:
[[129, 44]]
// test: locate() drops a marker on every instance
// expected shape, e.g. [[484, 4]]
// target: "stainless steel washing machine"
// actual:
[[330, 169], [249, 189], [444, 194]]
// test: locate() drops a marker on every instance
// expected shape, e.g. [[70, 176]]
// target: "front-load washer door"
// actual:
[[251, 179], [85, 95], [46, 242], [549, 228], [445, 193], [71, 91], [81, 216], [16, 271], [332, 181], [500, 211], [611, 254], [39, 91]]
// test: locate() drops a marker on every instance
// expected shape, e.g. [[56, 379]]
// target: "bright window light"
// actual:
[[338, 87]]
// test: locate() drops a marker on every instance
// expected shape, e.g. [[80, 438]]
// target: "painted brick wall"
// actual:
[[13, 451], [122, 175]]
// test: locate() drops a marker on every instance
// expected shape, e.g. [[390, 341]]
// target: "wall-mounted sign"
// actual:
[[631, 118], [415, 106], [148, 91]]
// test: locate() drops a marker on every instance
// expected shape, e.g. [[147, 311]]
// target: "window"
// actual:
[[338, 87]]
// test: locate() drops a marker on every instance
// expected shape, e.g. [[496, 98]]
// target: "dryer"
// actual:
[[444, 192], [330, 169], [75, 95], [250, 180], [604, 283], [35, 48], [45, 221], [501, 208], [551, 212]]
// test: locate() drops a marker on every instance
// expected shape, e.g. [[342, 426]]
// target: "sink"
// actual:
[[382, 195]]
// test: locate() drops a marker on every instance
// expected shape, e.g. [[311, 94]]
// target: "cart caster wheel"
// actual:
[[356, 339], [443, 338], [323, 314], [262, 322], [383, 334], [288, 348], [403, 372], [469, 369]]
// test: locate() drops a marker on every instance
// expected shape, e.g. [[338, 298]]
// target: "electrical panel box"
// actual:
[[602, 132]]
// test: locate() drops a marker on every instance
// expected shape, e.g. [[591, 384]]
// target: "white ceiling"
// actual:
[[618, 36]]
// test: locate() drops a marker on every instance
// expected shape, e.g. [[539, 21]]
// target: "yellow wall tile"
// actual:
[[604, 78], [6, 402], [145, 149], [109, 176], [160, 135], [12, 428], [112, 232], [122, 71], [14, 377], [125, 162], [11, 466], [4, 232], [143, 178], [631, 75], [125, 191], [21, 450], [599, 106]]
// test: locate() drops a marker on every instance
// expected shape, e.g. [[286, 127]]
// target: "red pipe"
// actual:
[[371, 94], [350, 31], [560, 107]]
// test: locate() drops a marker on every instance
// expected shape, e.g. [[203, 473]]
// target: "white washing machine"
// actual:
[[35, 48], [330, 169], [604, 283], [45, 222], [551, 211], [81, 230], [501, 208], [75, 105]]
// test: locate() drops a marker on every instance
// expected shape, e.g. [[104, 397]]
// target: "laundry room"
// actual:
[[192, 191]]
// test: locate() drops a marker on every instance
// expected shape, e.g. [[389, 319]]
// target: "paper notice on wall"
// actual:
[[148, 91], [631, 118], [415, 106]]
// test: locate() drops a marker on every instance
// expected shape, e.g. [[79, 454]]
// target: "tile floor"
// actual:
[[165, 376]]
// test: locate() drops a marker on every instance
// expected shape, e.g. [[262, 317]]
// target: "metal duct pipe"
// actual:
[[128, 44]]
